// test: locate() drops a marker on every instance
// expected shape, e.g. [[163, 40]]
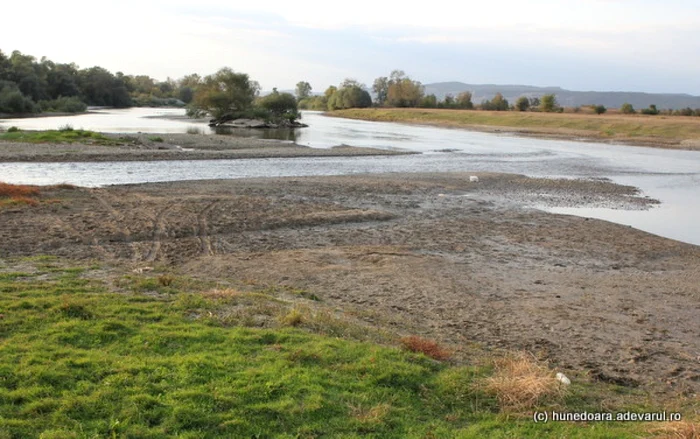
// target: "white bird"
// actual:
[[563, 379]]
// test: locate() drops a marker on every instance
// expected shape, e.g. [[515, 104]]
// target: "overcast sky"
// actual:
[[626, 45]]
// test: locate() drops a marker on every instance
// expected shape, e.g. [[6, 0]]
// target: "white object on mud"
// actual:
[[563, 379], [474, 179]]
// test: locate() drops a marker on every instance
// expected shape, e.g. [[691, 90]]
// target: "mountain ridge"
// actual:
[[567, 98]]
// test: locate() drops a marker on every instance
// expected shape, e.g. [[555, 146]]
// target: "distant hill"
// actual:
[[567, 98]]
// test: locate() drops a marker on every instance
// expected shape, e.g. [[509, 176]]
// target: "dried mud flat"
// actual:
[[467, 263]]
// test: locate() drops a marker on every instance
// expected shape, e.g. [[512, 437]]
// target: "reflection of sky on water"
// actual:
[[668, 175]]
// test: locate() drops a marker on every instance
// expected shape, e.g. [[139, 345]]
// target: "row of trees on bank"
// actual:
[[28, 85], [398, 90]]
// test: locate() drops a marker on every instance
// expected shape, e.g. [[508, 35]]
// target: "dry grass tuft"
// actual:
[[294, 317], [678, 430], [521, 383], [425, 346]]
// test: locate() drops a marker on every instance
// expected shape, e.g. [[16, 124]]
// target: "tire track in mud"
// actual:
[[159, 231], [119, 219], [203, 229], [77, 234]]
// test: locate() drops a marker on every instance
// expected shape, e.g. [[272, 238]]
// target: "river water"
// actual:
[[670, 176]]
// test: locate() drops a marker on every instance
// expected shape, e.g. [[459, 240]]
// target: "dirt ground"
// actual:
[[468, 263], [138, 147]]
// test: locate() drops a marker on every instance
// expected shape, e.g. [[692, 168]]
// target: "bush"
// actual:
[[279, 106], [627, 109], [424, 346], [652, 110], [13, 101], [13, 130], [599, 109], [64, 105]]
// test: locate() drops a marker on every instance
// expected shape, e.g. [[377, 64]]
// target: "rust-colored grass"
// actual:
[[521, 383], [14, 194], [425, 346], [17, 190]]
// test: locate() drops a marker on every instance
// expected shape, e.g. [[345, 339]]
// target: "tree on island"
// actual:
[[226, 94]]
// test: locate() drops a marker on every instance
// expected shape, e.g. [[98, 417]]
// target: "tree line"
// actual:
[[28, 85], [398, 90]]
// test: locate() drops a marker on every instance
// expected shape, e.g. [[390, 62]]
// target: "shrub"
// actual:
[[13, 101], [424, 346], [156, 139], [652, 110], [13, 130], [64, 105], [65, 128], [600, 109], [627, 109], [165, 280]]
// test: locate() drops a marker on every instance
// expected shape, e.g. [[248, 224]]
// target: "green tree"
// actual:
[[464, 100], [280, 106], [402, 91], [330, 91], [225, 94], [100, 87], [381, 89], [549, 103], [350, 94], [522, 104], [599, 109], [627, 109], [498, 103], [652, 110], [303, 90], [429, 101], [447, 102], [13, 101]]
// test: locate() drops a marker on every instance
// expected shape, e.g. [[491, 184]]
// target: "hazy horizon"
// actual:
[[587, 45]]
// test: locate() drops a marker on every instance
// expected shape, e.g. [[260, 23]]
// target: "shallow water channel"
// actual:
[[671, 176]]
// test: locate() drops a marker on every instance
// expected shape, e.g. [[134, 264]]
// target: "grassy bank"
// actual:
[[652, 130], [65, 135], [87, 352]]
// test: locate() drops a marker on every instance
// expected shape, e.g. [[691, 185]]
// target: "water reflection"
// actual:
[[285, 134]]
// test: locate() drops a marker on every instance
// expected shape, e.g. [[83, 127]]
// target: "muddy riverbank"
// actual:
[[460, 261], [148, 147]]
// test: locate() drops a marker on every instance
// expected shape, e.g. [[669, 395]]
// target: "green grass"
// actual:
[[80, 358], [62, 135], [667, 129]]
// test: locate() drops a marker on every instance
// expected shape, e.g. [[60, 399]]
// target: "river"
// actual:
[[671, 176]]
